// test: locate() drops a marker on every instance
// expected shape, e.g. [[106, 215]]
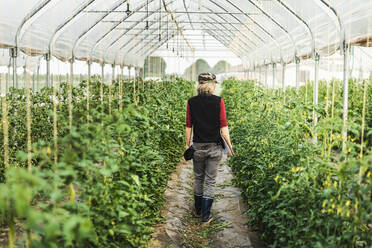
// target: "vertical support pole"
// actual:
[[7, 80], [121, 81], [33, 81], [14, 55], [345, 95], [47, 58], [266, 84], [88, 87], [89, 70], [315, 94], [140, 71], [113, 73], [110, 86], [260, 74], [55, 131], [38, 77], [5, 130], [102, 80], [274, 67], [134, 86], [71, 186], [72, 70], [283, 77], [24, 75], [297, 74], [70, 91], [28, 116]]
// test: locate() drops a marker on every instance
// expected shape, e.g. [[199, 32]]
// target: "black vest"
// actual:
[[205, 116]]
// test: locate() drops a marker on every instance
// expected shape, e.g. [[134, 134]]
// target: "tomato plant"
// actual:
[[301, 193], [106, 190]]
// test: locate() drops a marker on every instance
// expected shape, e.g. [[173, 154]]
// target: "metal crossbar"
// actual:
[[181, 22], [174, 12]]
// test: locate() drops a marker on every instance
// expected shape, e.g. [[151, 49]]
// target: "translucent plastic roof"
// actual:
[[125, 32]]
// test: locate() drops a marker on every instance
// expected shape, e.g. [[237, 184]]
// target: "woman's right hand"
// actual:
[[232, 152]]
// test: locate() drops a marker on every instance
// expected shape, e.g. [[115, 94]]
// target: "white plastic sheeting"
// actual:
[[258, 31]]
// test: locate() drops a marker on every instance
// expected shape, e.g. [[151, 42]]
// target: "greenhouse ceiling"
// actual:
[[125, 32]]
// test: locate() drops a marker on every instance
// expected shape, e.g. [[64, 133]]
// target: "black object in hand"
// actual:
[[189, 153]]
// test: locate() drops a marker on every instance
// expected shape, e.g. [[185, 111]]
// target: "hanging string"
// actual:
[[121, 89], [363, 117], [134, 87], [332, 115], [109, 91], [28, 114], [101, 85], [160, 20], [88, 89], [147, 15], [70, 98], [5, 128], [55, 131]]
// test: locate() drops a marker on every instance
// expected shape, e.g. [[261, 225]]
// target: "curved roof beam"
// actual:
[[81, 37], [153, 48], [231, 40], [121, 36], [188, 15], [304, 23], [155, 45], [228, 30], [153, 39], [232, 15], [176, 23], [63, 25], [271, 37], [259, 25], [116, 25], [322, 4], [225, 42], [245, 25], [276, 23], [220, 16], [135, 45], [28, 17], [143, 19]]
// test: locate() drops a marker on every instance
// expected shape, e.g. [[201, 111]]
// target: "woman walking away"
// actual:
[[206, 117]]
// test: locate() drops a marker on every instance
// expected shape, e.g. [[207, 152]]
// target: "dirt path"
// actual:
[[181, 229]]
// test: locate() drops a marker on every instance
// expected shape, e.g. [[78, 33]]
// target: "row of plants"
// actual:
[[302, 191], [106, 187]]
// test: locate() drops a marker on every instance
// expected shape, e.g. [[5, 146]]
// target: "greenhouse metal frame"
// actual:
[[261, 33]]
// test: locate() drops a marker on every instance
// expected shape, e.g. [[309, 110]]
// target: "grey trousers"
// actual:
[[207, 156]]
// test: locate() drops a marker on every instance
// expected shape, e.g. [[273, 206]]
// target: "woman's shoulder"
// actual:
[[216, 97], [192, 98]]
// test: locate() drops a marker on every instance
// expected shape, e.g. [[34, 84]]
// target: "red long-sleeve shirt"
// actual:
[[223, 121]]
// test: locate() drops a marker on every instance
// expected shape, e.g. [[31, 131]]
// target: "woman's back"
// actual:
[[205, 116]]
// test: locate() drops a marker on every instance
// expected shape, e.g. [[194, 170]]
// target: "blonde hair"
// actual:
[[206, 89]]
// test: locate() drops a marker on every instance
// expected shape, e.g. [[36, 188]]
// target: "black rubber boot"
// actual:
[[198, 205], [206, 210]]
